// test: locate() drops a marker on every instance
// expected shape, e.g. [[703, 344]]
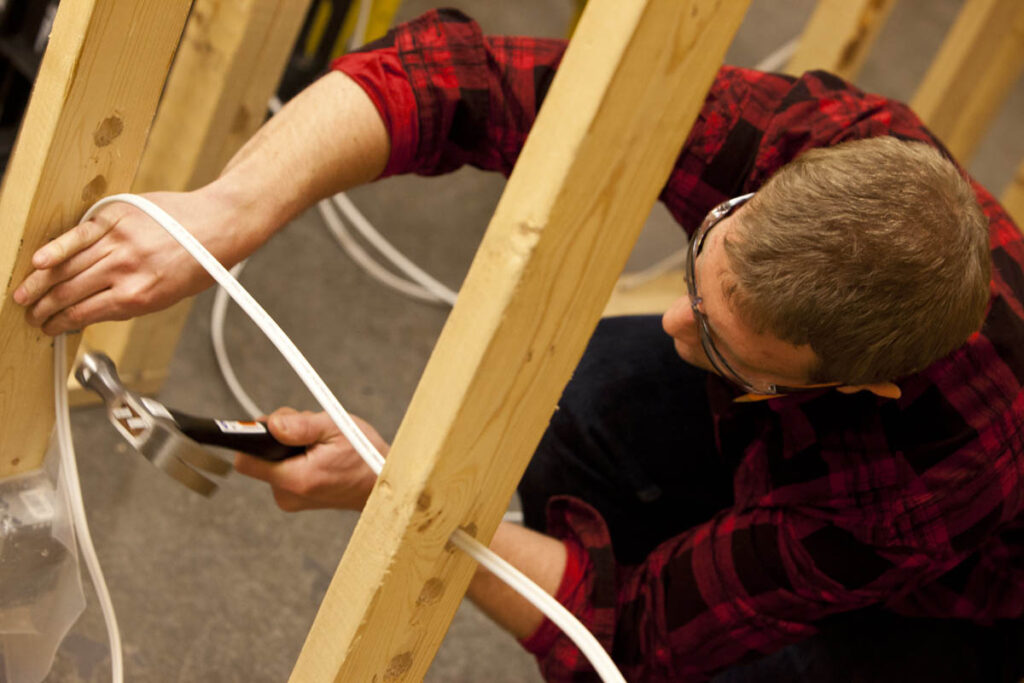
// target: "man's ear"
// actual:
[[883, 389]]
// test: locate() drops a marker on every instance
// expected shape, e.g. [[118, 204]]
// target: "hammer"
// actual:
[[171, 439]]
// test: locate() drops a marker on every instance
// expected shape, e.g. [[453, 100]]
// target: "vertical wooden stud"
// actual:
[[980, 59], [839, 36], [81, 138], [1013, 198], [628, 90], [230, 62]]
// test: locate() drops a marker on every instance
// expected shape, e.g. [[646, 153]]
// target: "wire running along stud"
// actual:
[[588, 644]]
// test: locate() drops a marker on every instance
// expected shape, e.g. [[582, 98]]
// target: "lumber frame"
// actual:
[[627, 92], [839, 35], [1013, 198], [382, 15], [977, 65], [81, 139], [231, 59]]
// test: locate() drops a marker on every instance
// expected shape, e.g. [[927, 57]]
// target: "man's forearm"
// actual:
[[328, 138], [540, 557]]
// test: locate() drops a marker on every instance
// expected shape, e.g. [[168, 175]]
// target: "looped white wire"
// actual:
[[588, 644]]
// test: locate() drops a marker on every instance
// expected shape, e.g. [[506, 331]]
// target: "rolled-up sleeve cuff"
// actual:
[[587, 588], [380, 74], [541, 641]]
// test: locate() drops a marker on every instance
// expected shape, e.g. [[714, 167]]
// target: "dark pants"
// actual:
[[633, 437]]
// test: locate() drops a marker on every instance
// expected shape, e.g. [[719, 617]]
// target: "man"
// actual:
[[846, 431]]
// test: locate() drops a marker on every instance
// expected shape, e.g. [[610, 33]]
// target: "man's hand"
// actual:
[[121, 264], [330, 475]]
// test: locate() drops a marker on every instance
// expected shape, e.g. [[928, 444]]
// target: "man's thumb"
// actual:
[[292, 428]]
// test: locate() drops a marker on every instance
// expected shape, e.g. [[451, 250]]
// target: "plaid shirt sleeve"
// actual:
[[841, 501], [449, 96]]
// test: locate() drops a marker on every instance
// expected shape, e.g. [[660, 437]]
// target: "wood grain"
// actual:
[[627, 92], [1013, 198], [230, 61], [82, 136], [975, 69], [839, 35]]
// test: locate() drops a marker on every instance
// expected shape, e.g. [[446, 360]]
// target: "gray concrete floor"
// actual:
[[225, 589]]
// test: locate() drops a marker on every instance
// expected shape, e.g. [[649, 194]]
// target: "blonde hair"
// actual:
[[874, 252]]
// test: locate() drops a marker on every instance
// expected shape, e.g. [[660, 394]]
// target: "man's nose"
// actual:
[[678, 321]]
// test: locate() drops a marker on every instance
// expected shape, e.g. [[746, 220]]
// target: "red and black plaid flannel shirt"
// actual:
[[841, 501]]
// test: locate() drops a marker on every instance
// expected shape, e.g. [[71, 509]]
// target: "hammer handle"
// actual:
[[247, 436]]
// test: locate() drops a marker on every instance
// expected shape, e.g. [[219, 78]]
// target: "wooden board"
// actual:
[[381, 16], [1013, 198], [980, 60], [619, 109], [81, 139], [653, 296], [839, 36], [231, 59]]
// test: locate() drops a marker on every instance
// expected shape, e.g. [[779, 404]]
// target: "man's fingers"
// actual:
[[99, 306], [254, 467], [70, 243], [300, 429], [289, 502], [40, 282], [65, 294], [291, 474]]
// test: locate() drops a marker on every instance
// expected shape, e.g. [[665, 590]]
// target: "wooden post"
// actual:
[[839, 36], [230, 62], [979, 61], [1013, 198], [629, 88], [382, 15], [81, 138]]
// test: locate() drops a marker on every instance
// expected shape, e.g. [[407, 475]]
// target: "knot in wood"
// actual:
[[431, 592], [108, 130], [96, 188], [398, 666]]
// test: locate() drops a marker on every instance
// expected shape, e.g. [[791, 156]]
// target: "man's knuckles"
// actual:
[[297, 429], [76, 316]]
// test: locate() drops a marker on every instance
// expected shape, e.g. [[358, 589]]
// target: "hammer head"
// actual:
[[149, 428]]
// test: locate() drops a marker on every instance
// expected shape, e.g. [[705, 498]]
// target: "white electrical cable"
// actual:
[[372, 268], [69, 473], [217, 315], [588, 644], [423, 286], [674, 260], [420, 285], [267, 324], [362, 22], [429, 289], [777, 59], [414, 272], [220, 304], [542, 600]]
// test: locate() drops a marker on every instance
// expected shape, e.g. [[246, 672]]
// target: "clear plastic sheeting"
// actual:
[[40, 584]]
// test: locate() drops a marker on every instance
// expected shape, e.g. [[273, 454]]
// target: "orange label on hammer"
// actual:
[[241, 427]]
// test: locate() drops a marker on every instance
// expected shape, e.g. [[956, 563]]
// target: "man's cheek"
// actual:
[[694, 355]]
